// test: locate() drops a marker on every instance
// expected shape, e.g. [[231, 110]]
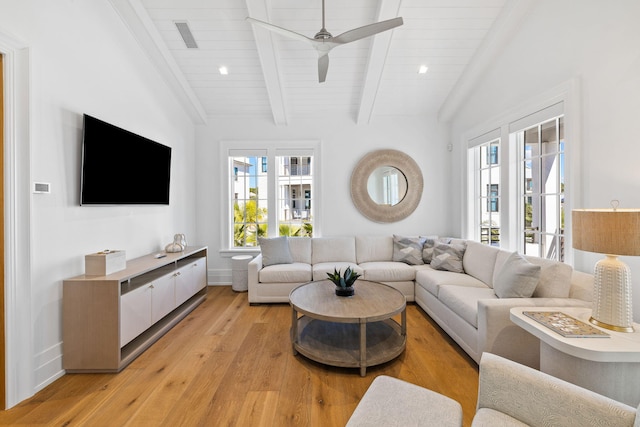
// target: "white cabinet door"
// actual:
[[163, 298], [135, 313], [190, 279]]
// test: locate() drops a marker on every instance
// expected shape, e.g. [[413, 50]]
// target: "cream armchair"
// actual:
[[509, 394]]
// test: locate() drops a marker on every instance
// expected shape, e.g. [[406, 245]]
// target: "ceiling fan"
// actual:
[[323, 41]]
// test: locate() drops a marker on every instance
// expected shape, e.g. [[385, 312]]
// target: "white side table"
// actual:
[[608, 366], [239, 272]]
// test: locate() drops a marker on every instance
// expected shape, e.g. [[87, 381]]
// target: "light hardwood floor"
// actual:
[[231, 364]]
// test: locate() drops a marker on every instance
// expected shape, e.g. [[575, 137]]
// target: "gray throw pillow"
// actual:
[[448, 257], [275, 251], [408, 249], [429, 244], [517, 278]]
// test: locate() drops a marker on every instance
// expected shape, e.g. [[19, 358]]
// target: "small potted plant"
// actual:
[[344, 283]]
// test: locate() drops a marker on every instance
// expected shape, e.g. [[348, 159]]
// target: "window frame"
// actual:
[[569, 95], [271, 150]]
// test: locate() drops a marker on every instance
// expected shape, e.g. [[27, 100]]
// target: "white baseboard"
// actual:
[[219, 277]]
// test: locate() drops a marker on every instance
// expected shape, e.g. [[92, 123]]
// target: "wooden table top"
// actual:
[[372, 302]]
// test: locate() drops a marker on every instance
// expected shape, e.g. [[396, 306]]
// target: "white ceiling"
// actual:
[[275, 77]]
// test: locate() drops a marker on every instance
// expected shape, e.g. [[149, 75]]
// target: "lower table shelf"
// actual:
[[339, 344]]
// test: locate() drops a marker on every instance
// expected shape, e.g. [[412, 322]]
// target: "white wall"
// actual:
[[84, 60], [596, 43], [343, 144]]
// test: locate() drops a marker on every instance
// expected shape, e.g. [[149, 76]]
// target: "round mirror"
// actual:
[[387, 185]]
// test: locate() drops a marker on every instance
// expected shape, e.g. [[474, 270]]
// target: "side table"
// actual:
[[239, 272], [608, 366]]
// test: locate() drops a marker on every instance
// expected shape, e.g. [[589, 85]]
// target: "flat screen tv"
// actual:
[[122, 168]]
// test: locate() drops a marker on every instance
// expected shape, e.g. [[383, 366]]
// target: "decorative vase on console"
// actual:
[[344, 283], [178, 245]]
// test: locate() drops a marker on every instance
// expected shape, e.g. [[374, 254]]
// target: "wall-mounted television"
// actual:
[[122, 168]]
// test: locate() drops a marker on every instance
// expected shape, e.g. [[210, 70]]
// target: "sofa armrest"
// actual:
[[536, 399], [499, 335], [254, 267]]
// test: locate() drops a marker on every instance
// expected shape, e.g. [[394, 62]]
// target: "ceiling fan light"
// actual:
[[223, 70], [423, 69]]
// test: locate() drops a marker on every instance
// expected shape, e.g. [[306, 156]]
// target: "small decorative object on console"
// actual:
[[344, 283], [104, 263], [178, 245]]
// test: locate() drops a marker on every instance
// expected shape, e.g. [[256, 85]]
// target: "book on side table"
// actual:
[[565, 325]]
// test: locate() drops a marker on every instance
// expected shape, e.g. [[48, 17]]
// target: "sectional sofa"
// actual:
[[466, 287]]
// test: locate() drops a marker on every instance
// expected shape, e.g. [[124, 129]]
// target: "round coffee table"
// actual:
[[352, 332]]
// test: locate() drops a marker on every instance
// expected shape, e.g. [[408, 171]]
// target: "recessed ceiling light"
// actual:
[[223, 70], [423, 69]]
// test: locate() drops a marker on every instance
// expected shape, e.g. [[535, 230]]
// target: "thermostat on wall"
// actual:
[[41, 187]]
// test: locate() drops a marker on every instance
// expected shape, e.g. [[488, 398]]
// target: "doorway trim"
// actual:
[[19, 360]]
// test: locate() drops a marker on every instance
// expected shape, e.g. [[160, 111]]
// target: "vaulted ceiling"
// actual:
[[273, 76]]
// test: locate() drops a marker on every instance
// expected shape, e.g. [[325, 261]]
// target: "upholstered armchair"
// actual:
[[509, 394]]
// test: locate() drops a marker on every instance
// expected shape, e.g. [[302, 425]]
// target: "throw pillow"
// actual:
[[448, 256], [429, 244], [408, 249], [275, 251], [517, 278]]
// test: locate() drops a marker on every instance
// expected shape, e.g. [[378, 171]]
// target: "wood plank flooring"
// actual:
[[231, 364]]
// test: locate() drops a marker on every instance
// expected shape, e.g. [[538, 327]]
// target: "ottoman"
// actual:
[[393, 402]]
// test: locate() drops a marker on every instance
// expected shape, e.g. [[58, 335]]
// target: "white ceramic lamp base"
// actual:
[[612, 295]]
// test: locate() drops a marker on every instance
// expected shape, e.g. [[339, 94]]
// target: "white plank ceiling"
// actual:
[[272, 76]]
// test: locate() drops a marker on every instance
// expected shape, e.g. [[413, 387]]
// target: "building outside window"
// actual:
[[541, 149], [269, 204], [518, 189], [485, 159]]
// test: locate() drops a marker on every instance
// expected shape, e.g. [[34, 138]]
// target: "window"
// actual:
[[270, 194], [492, 200], [249, 201], [541, 149], [516, 182], [485, 186], [294, 181]]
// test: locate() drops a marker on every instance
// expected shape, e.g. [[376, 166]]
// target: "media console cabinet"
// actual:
[[110, 320]]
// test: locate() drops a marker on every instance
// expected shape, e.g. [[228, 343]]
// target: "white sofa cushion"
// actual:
[[479, 261], [275, 250], [321, 269], [463, 300], [328, 249], [296, 272], [432, 280], [555, 278], [517, 278], [300, 248], [374, 248], [387, 271]]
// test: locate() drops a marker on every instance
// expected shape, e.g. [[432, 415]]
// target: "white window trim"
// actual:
[[273, 149], [569, 93]]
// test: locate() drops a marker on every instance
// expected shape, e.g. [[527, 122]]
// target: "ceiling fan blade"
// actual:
[[280, 30], [367, 30], [323, 67]]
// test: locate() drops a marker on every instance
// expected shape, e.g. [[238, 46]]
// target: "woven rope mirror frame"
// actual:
[[380, 212]]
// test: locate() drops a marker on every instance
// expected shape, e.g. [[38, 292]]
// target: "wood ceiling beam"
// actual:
[[269, 60], [377, 57]]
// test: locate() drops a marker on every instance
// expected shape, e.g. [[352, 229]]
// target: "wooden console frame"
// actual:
[[91, 319]]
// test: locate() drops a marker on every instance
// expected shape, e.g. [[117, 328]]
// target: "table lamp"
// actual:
[[612, 232]]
